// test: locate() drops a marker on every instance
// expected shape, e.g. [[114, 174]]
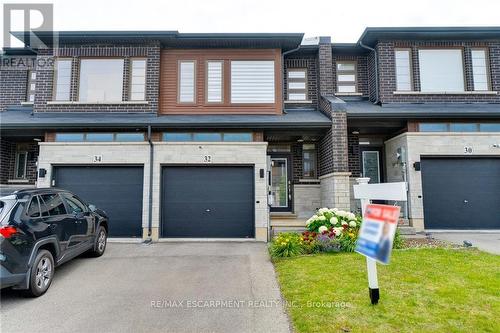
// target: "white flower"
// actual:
[[322, 229], [344, 223], [342, 213], [322, 218], [334, 210], [334, 220], [353, 224], [314, 217], [351, 216], [323, 211], [338, 231]]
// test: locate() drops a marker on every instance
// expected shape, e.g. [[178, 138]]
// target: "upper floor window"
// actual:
[[62, 79], [297, 84], [480, 69], [441, 70], [101, 80], [187, 81], [30, 91], [137, 79], [403, 69], [207, 136], [252, 81], [346, 77], [214, 81], [99, 137]]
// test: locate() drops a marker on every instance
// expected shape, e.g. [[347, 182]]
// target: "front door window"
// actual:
[[371, 166], [279, 182]]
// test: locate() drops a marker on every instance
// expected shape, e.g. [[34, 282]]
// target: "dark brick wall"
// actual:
[[354, 155], [45, 77], [372, 76], [8, 160], [13, 85], [361, 71], [325, 63], [387, 75], [311, 64]]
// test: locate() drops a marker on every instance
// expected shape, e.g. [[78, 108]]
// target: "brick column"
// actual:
[[325, 62]]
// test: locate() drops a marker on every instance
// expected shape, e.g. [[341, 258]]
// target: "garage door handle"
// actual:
[[466, 201], [207, 210]]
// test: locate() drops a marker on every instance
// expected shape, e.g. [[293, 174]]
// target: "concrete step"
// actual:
[[406, 230]]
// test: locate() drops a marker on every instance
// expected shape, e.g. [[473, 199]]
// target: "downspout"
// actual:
[[150, 203], [283, 73], [376, 69]]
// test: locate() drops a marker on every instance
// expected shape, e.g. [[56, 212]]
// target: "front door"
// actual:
[[371, 164], [280, 187]]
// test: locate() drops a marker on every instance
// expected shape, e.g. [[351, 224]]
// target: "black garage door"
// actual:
[[115, 189], [215, 201], [461, 193]]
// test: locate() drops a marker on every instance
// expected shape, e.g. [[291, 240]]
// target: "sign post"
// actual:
[[375, 218]]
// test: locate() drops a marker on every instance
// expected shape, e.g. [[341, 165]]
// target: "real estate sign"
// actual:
[[377, 232]]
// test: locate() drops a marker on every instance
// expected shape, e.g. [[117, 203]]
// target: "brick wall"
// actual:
[[8, 160], [325, 64], [150, 51], [387, 75], [14, 84], [361, 72], [354, 155], [310, 63]]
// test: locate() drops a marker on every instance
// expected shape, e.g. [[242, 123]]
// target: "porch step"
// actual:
[[278, 215], [287, 222], [407, 230], [277, 230]]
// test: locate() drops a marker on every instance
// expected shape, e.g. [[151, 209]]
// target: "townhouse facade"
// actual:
[[240, 135]]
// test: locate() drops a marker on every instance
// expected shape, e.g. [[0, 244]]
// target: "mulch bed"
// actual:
[[427, 242]]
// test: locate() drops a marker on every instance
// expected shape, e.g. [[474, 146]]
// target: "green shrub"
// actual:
[[399, 241], [348, 241], [286, 244]]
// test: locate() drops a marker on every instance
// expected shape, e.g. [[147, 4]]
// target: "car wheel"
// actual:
[[41, 274], [101, 240]]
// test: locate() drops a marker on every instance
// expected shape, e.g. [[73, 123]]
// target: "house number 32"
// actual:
[[468, 150], [207, 159]]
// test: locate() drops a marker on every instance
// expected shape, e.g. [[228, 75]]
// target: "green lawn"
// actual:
[[422, 290]]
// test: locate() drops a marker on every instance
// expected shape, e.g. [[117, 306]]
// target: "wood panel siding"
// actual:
[[169, 103]]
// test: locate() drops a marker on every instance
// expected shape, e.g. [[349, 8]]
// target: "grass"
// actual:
[[422, 290]]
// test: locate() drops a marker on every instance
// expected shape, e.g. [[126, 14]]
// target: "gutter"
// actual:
[[376, 69], [150, 203], [283, 73]]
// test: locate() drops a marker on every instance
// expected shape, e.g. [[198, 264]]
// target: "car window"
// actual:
[[43, 208], [54, 203], [75, 205], [33, 208]]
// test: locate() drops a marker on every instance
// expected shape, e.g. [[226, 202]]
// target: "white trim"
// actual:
[[348, 94], [297, 102], [464, 231], [127, 240], [27, 103], [478, 92], [95, 103]]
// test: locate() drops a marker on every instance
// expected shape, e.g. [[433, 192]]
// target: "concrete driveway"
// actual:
[[163, 287], [488, 242]]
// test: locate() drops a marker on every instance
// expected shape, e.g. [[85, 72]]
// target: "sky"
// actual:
[[343, 20]]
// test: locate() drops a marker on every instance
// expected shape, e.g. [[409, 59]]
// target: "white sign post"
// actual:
[[367, 192]]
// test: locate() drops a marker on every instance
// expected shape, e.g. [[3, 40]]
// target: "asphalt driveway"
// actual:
[[485, 241], [163, 287]]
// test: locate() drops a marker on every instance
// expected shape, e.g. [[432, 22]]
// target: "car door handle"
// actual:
[[466, 201]]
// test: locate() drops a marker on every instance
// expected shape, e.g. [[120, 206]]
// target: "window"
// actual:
[[186, 81], [252, 82], [463, 127], [99, 137], [30, 96], [101, 80], [297, 84], [75, 205], [403, 70], [309, 161], [346, 77], [207, 137], [62, 79], [54, 204], [33, 208], [489, 127], [480, 69], [21, 162], [441, 70], [433, 127], [214, 81], [137, 79]]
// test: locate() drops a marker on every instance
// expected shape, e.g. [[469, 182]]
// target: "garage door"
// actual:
[[117, 190], [461, 193], [208, 202]]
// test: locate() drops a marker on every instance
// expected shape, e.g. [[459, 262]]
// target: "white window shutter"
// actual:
[[186, 81], [214, 81], [252, 82]]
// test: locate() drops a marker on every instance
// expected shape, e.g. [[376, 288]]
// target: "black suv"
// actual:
[[41, 229]]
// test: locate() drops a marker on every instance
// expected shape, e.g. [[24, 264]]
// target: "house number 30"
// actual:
[[207, 159], [468, 150]]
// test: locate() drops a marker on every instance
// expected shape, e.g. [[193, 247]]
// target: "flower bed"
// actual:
[[329, 230]]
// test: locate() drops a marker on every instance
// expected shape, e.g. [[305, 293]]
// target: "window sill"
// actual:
[[18, 181], [298, 102], [314, 181], [445, 93], [26, 103], [97, 103], [349, 94]]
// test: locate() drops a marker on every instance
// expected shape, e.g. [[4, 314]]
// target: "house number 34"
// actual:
[[468, 150]]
